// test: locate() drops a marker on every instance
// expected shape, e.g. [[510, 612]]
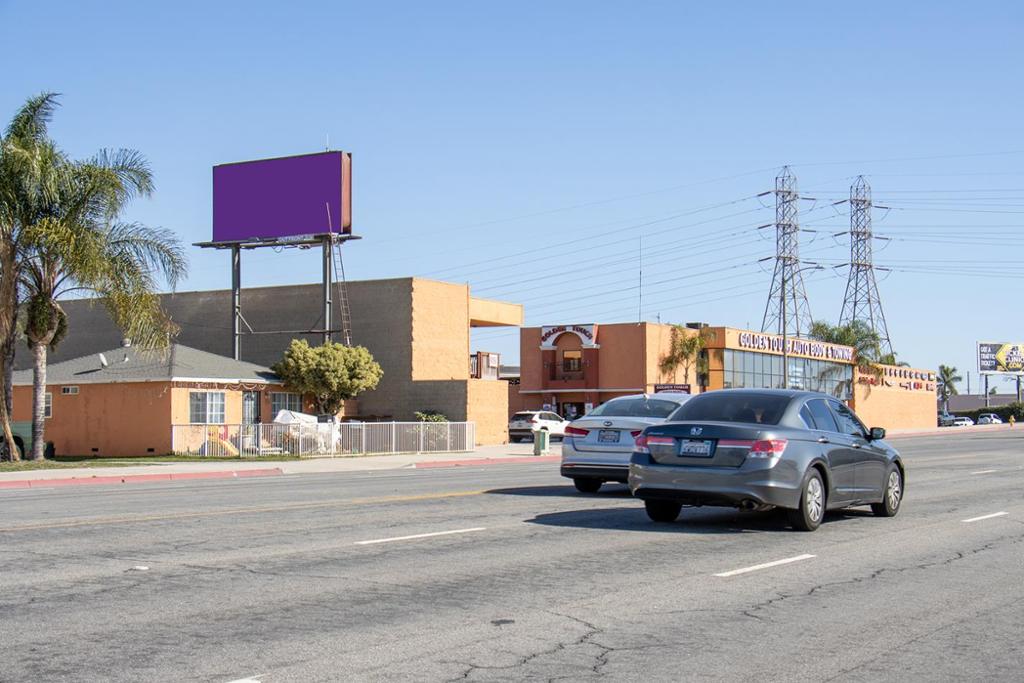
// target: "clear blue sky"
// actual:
[[563, 131]]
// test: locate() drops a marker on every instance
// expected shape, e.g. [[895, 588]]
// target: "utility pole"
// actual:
[[787, 309], [862, 301]]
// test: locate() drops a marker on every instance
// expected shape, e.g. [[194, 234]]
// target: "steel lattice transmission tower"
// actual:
[[787, 311], [862, 301]]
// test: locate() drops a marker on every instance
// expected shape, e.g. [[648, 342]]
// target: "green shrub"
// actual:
[[430, 416]]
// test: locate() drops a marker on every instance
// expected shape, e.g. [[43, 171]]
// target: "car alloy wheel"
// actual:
[[808, 516], [815, 499], [892, 497], [893, 491]]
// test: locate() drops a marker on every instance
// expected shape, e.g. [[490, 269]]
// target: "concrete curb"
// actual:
[[137, 478], [487, 461]]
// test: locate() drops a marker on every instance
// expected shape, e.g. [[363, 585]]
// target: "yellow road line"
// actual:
[[240, 511]]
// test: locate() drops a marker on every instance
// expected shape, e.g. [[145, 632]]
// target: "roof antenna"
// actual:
[[328, 148]]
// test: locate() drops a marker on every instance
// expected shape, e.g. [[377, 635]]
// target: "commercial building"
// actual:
[[571, 368], [417, 329]]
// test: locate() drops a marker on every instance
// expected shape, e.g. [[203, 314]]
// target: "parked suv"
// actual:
[[523, 424], [989, 419]]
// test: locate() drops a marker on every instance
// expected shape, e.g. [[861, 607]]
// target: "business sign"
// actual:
[[289, 197], [586, 333], [898, 377], [1000, 357], [796, 346], [671, 388]]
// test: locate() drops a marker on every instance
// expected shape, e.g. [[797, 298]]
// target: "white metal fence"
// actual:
[[323, 439]]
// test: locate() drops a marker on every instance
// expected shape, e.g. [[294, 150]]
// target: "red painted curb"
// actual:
[[487, 461], [138, 478]]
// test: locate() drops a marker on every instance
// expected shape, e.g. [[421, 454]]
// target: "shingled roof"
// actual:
[[128, 364]]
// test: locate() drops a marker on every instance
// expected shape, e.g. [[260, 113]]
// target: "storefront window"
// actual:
[[764, 371]]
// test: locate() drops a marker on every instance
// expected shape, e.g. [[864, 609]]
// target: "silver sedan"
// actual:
[[597, 446]]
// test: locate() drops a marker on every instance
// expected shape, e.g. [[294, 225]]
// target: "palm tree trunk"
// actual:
[[8, 313], [38, 401]]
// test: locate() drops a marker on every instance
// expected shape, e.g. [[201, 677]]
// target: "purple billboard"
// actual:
[[309, 194]]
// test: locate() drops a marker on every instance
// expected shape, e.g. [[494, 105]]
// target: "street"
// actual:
[[505, 572]]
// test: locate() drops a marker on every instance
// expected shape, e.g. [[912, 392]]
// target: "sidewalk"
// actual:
[[178, 471]]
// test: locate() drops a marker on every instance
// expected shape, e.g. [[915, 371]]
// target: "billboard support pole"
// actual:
[[986, 391], [328, 254], [236, 301]]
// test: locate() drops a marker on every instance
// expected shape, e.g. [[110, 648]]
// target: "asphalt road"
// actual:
[[273, 580]]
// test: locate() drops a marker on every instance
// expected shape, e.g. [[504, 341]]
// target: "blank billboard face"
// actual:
[[285, 197]]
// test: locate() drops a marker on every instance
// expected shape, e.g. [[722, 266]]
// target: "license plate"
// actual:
[[695, 449], [608, 436]]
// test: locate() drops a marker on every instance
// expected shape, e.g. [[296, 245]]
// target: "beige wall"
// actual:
[[440, 330], [122, 419], [488, 408], [883, 402]]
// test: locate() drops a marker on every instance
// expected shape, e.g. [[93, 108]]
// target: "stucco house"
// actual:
[[123, 401]]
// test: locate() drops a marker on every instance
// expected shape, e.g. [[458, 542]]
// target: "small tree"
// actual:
[[685, 350], [332, 373]]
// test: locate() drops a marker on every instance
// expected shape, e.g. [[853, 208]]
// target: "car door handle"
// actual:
[[823, 439], [856, 445]]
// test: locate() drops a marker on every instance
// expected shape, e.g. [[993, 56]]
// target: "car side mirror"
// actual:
[[876, 434]]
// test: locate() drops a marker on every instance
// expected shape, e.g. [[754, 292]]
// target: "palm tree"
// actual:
[[77, 246], [25, 157], [947, 380]]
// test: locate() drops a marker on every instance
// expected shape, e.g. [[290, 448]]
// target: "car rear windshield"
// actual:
[[634, 407], [727, 406], [523, 416]]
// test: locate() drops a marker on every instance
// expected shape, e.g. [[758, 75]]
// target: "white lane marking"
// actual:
[[416, 536], [978, 519], [984, 472], [245, 680], [766, 565]]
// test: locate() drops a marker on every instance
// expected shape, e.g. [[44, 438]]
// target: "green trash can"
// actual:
[[541, 439]]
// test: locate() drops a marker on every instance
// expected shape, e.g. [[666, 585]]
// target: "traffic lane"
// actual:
[[140, 541], [328, 522], [383, 588]]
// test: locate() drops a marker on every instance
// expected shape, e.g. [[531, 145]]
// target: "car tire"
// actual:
[[812, 503], [892, 497], [587, 485], [662, 510]]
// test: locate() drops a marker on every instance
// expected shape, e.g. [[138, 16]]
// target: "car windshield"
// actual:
[[523, 416], [727, 406], [634, 407]]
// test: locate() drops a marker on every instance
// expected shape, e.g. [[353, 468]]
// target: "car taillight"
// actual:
[[768, 448], [634, 434], [643, 443], [640, 444], [576, 431]]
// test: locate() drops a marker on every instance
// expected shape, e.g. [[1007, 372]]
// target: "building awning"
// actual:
[[490, 313]]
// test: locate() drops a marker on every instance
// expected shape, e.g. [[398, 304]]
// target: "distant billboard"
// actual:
[[310, 194], [1000, 357]]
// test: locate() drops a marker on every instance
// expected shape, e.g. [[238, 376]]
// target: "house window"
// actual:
[[206, 407], [280, 400], [48, 409], [572, 361], [69, 391]]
